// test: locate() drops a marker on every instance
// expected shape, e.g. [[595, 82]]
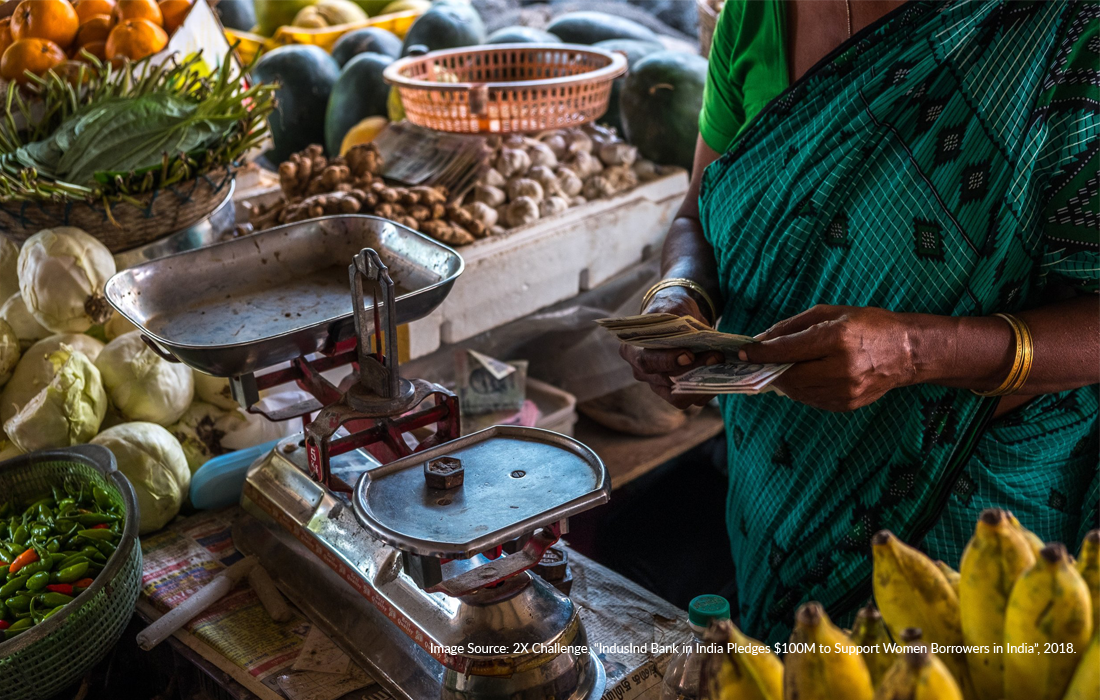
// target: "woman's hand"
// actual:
[[845, 357], [657, 367]]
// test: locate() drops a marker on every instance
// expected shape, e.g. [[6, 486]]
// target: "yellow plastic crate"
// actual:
[[251, 44]]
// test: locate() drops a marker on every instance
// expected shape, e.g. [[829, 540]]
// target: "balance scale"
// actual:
[[415, 556]]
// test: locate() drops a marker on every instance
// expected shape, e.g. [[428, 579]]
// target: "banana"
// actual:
[[745, 670], [912, 592], [1088, 565], [1033, 540], [1048, 624], [995, 557], [917, 674], [869, 633], [1086, 680], [950, 574], [820, 664]]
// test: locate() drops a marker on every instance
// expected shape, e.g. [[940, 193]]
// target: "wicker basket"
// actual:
[[708, 21], [160, 213], [506, 88], [50, 656]]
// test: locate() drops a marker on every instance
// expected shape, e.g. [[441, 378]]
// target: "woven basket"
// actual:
[[708, 21], [50, 656], [506, 88], [161, 212]]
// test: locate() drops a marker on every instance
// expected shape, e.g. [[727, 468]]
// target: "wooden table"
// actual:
[[629, 456]]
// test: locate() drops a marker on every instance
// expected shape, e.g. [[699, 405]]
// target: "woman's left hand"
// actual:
[[845, 357]]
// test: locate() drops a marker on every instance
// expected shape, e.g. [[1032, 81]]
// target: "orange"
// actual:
[[138, 9], [35, 55], [135, 39], [96, 48], [86, 9], [53, 20], [174, 11], [5, 34], [96, 28]]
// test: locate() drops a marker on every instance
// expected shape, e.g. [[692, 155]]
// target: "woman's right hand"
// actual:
[[657, 367]]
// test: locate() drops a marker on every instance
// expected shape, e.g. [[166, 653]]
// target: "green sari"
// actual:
[[942, 161]]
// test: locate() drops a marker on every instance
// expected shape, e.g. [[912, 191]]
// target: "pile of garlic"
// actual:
[[533, 178]]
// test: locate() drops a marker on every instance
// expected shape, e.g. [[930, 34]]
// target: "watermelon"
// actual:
[[522, 35], [445, 26], [272, 14], [590, 27], [635, 51], [237, 14], [359, 93], [660, 105], [367, 39], [305, 75]]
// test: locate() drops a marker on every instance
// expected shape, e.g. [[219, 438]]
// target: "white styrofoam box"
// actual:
[[510, 276]]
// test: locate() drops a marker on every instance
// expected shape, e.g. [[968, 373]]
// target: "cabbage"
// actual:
[[35, 370], [117, 325], [67, 412], [214, 390], [201, 429], [9, 352], [154, 462], [61, 276], [9, 261], [27, 329], [142, 385]]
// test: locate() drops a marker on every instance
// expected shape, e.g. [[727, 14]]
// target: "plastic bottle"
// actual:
[[681, 679]]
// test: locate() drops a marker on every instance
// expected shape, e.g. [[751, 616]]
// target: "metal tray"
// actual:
[[253, 302], [516, 480]]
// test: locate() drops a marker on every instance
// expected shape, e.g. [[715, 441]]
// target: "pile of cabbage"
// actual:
[[73, 372]]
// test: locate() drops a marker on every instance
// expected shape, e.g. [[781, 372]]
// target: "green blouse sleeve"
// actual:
[[748, 68]]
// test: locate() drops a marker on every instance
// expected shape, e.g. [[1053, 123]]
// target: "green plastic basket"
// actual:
[[45, 659]]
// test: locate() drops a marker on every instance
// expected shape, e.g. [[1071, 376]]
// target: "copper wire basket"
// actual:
[[507, 87]]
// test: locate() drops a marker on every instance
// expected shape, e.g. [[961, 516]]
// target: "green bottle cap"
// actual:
[[704, 608]]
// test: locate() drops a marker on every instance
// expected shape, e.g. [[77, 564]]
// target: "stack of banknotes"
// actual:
[[671, 332]]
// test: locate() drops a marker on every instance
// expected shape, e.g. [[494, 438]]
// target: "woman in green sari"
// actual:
[[938, 166]]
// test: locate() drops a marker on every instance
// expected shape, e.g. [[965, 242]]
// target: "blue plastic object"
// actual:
[[218, 483]]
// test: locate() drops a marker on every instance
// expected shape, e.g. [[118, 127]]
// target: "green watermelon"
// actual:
[[272, 14], [305, 75], [237, 14], [366, 40], [590, 27], [359, 93], [660, 105], [445, 26], [522, 35], [635, 51]]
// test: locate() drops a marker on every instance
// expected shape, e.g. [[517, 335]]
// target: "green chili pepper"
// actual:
[[17, 627], [53, 545], [21, 535], [19, 603], [14, 585], [54, 599], [51, 612], [38, 581], [102, 498], [40, 565], [106, 548], [89, 519], [3, 610], [73, 559], [102, 534], [70, 573]]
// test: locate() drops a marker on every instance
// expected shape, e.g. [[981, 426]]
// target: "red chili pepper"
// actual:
[[101, 526], [28, 557], [82, 583], [4, 624], [66, 588]]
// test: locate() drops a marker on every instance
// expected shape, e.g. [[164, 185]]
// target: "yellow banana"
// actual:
[[1086, 680], [820, 663], [1088, 565], [1033, 540], [869, 633], [950, 574], [745, 670], [995, 557], [911, 591], [917, 674], [1048, 624]]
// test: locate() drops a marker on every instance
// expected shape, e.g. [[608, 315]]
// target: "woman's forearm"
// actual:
[[978, 352]]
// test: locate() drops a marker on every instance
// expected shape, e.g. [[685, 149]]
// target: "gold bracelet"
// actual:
[[680, 282], [1021, 364]]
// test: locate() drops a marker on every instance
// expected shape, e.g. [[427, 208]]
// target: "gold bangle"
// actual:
[[1024, 354], [680, 282]]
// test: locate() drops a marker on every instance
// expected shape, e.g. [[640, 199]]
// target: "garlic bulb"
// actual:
[[617, 153], [646, 170], [555, 141], [487, 194], [482, 212], [569, 182], [540, 154], [552, 206], [584, 164], [578, 141], [545, 176], [524, 187], [512, 162], [61, 276], [522, 211], [493, 178]]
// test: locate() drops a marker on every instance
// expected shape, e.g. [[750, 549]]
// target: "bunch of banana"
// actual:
[[911, 591], [817, 666], [917, 674], [1088, 565], [745, 670], [1086, 679], [995, 557], [1048, 625], [953, 577], [869, 633]]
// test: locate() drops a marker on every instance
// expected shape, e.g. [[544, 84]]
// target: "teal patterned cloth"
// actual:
[[943, 161]]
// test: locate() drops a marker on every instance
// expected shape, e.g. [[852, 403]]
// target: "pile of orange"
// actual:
[[44, 34]]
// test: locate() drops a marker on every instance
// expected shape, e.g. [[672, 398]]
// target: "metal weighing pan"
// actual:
[[253, 302]]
